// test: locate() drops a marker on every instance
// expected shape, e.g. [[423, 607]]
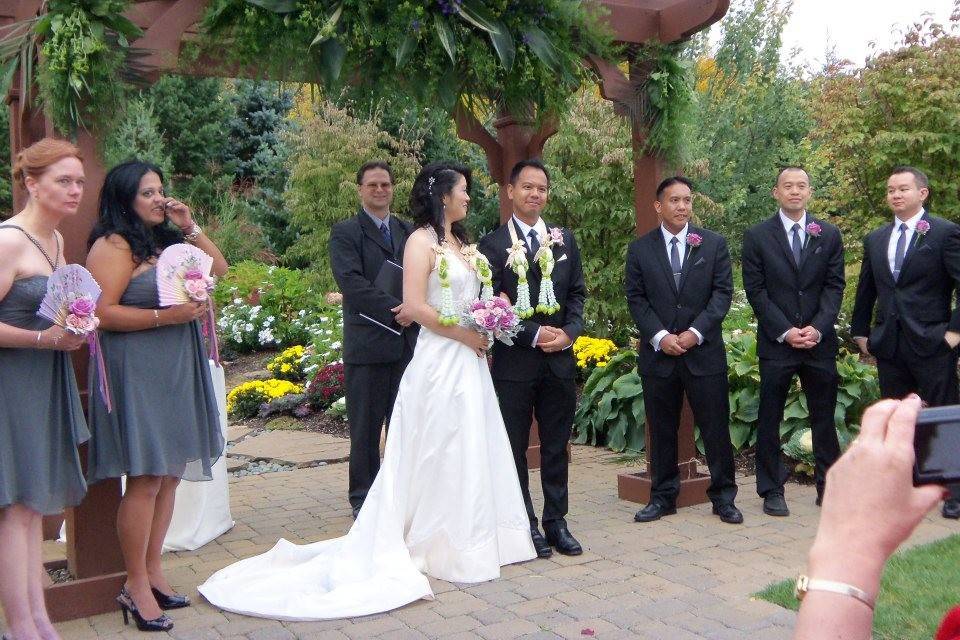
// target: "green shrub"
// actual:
[[137, 136]]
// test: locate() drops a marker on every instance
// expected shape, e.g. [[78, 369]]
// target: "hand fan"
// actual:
[[183, 275], [71, 299]]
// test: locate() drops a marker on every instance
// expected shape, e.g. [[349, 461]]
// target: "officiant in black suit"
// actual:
[[909, 283], [537, 375], [679, 286], [377, 345], [793, 276]]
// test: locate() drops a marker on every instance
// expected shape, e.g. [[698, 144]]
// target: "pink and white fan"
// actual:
[[71, 303], [183, 275]]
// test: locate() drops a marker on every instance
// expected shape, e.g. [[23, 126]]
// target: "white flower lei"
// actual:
[[517, 261], [476, 261]]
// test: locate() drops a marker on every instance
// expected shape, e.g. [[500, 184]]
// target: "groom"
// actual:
[[536, 376]]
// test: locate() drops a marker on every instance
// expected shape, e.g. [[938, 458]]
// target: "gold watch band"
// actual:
[[806, 584]]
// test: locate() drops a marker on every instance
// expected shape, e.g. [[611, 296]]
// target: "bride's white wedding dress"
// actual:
[[446, 502]]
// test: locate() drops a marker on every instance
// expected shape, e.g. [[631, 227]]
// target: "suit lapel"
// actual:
[[690, 257], [399, 234], [659, 249], [880, 251], [915, 243], [780, 237], [812, 241], [371, 230]]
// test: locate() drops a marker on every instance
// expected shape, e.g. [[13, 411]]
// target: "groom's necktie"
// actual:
[[675, 261], [795, 245], [900, 251], [534, 242]]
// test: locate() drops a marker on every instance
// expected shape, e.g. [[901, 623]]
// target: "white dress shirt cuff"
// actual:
[[536, 338], [655, 340], [783, 336], [698, 334]]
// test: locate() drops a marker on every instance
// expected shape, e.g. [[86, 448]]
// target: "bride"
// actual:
[[446, 502]]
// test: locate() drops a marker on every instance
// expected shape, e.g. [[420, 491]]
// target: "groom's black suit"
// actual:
[[530, 381], [785, 295], [701, 301], [373, 358]]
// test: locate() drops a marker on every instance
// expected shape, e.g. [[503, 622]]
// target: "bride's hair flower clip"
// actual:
[[430, 185]]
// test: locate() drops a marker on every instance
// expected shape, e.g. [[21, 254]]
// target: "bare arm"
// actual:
[[180, 215], [111, 263]]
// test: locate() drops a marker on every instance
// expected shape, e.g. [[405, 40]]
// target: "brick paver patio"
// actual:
[[686, 577]]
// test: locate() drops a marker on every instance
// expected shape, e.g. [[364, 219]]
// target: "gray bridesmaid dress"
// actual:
[[165, 420], [41, 419]]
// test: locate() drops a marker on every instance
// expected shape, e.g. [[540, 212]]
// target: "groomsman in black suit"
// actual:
[[679, 286], [793, 276], [911, 275], [537, 375], [377, 342]]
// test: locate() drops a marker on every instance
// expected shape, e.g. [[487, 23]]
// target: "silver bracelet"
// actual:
[[195, 232], [806, 584], [39, 334]]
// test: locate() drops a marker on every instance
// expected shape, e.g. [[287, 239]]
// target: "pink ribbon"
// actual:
[[93, 341], [210, 329]]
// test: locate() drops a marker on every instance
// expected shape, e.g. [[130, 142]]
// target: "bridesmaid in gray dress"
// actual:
[[41, 421], [165, 423]]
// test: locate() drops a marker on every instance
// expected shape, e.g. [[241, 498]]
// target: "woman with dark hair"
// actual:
[[165, 423], [41, 420], [446, 501]]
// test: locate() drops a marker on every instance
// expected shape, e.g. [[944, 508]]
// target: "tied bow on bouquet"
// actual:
[[71, 303], [183, 275], [493, 317]]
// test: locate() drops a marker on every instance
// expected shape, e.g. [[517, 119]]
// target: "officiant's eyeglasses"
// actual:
[[378, 185]]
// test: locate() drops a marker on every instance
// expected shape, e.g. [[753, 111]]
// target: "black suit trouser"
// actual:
[[819, 381], [709, 400], [552, 401], [371, 390], [934, 379]]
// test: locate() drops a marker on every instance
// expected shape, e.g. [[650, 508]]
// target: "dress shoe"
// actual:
[[951, 508], [128, 608], [540, 543], [653, 511], [560, 539], [775, 505], [728, 513], [166, 602]]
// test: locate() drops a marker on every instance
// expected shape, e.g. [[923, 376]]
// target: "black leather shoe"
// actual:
[[951, 508], [540, 543], [166, 602], [775, 505], [653, 511], [561, 539], [728, 513]]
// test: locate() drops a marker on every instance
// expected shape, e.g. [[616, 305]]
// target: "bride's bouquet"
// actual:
[[494, 317]]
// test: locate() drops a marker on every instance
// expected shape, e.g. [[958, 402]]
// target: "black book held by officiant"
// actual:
[[389, 280]]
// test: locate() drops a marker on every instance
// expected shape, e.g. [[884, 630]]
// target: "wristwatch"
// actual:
[[806, 583]]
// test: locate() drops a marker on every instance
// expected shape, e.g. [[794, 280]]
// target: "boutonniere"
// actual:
[[813, 231], [922, 228], [694, 240]]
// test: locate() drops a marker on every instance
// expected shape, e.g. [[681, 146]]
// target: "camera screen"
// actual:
[[938, 451]]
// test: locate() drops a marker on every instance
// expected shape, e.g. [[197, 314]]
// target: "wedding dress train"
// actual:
[[446, 502]]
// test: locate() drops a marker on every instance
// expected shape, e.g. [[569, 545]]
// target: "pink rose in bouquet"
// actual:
[[197, 289], [81, 325], [494, 317], [82, 307]]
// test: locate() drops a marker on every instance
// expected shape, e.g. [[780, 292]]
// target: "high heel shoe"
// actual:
[[166, 602], [127, 607]]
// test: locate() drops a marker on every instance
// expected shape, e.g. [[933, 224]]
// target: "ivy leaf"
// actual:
[[445, 33], [405, 49], [541, 46], [277, 6], [124, 27]]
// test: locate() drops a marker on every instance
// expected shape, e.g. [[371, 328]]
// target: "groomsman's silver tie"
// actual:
[[901, 250], [675, 262], [795, 245]]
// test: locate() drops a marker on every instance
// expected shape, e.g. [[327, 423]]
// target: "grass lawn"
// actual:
[[919, 586]]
